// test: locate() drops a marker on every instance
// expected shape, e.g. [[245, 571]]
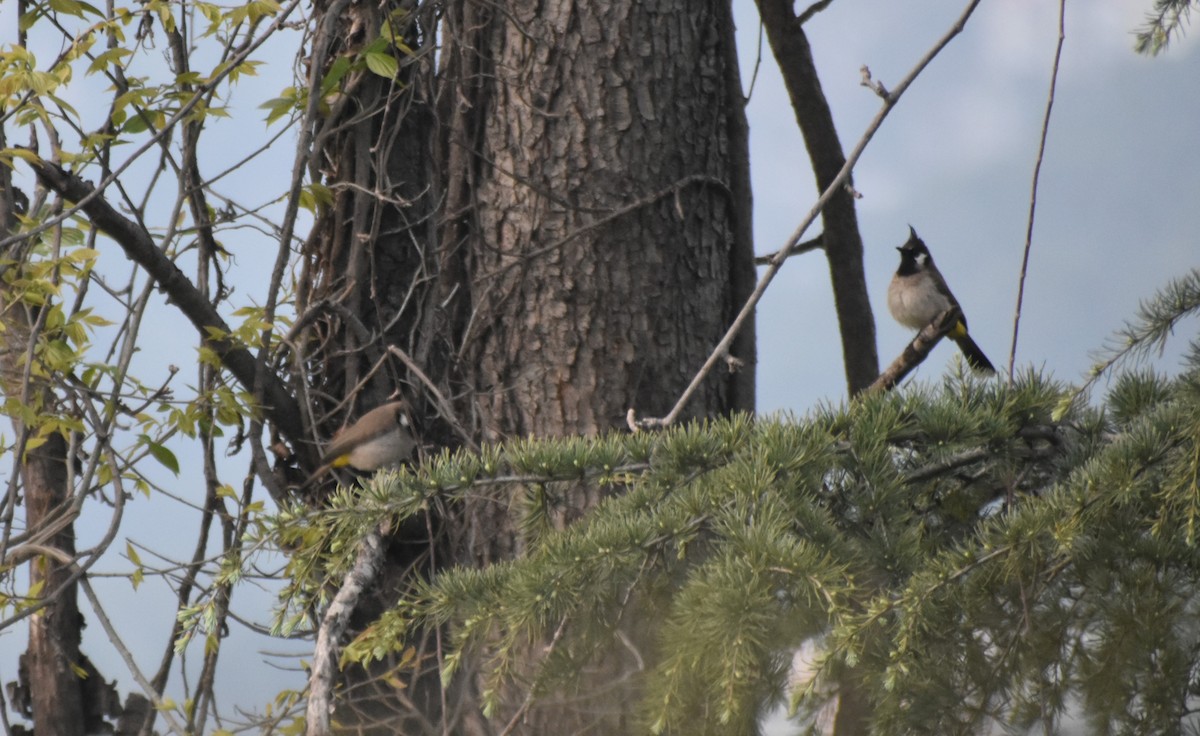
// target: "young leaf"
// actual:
[[159, 452], [384, 65]]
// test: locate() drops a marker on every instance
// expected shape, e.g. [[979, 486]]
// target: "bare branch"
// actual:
[[184, 110], [872, 84], [1037, 170], [812, 10], [115, 639], [805, 247], [333, 627], [641, 203], [444, 407]]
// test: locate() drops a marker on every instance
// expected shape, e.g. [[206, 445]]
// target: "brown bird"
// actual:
[[381, 438]]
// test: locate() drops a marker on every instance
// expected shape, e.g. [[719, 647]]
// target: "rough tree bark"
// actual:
[[601, 235], [56, 688], [553, 224], [605, 233]]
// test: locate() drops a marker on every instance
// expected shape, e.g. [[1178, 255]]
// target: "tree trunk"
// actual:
[[572, 244], [602, 238], [54, 632], [598, 151], [56, 701], [843, 249]]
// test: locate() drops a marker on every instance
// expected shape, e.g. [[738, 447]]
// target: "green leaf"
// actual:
[[83, 254], [138, 123], [385, 65], [138, 575], [69, 7], [132, 554], [21, 153], [111, 56], [337, 70], [165, 457]]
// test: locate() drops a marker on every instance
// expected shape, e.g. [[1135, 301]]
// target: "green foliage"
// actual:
[[733, 542], [971, 555]]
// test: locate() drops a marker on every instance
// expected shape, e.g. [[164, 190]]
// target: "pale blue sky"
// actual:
[[1116, 214]]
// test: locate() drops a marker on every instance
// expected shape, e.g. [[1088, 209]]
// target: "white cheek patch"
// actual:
[[922, 258]]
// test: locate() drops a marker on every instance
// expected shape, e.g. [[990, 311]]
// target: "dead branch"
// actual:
[[333, 627], [917, 350], [1037, 170], [445, 409], [806, 246]]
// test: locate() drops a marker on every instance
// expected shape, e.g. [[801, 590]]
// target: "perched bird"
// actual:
[[918, 293], [381, 438]]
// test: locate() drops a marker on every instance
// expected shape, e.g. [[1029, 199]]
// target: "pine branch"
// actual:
[[1155, 321], [1166, 20]]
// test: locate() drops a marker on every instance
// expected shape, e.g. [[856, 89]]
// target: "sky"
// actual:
[[1117, 217]]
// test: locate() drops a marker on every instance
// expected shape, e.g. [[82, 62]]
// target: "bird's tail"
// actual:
[[975, 357]]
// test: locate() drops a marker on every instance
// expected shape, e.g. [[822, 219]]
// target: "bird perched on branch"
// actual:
[[918, 294], [381, 438]]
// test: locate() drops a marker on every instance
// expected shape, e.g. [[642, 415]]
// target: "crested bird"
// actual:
[[918, 293]]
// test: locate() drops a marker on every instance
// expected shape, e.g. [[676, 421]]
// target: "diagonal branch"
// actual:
[[1037, 170], [889, 101], [139, 247], [917, 350], [333, 627]]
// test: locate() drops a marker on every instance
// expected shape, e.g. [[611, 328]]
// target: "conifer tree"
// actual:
[[981, 554]]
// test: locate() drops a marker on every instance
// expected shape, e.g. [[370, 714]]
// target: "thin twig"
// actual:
[[140, 247], [758, 56], [184, 110], [793, 241], [1037, 169], [808, 245], [154, 696], [512, 723], [443, 406], [812, 10], [643, 202]]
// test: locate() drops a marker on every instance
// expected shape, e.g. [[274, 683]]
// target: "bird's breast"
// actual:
[[915, 300], [386, 449]]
